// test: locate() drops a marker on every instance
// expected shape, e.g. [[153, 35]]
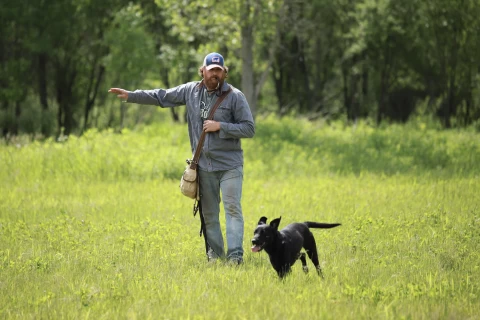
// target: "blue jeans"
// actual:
[[229, 183]]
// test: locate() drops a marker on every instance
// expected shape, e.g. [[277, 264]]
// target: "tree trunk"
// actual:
[[64, 86], [305, 102], [450, 105], [384, 81], [5, 129], [123, 111], [346, 100], [68, 118], [248, 85], [91, 96], [468, 97], [364, 86], [173, 111], [14, 129], [43, 92], [451, 101], [42, 80], [382, 96]]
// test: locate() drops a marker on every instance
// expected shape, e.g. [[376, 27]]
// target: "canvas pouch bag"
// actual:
[[189, 182]]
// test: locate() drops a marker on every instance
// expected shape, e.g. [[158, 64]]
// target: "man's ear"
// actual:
[[263, 220], [275, 223]]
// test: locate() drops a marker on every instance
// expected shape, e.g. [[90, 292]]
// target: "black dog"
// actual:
[[283, 247]]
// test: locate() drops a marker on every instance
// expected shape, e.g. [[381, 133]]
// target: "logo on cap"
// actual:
[[213, 60]]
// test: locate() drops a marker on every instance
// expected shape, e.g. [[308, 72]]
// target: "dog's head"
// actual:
[[264, 234]]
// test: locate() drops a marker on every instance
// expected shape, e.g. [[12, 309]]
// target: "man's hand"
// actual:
[[122, 94], [211, 126]]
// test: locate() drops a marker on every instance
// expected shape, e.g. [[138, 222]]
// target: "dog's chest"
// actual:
[[281, 259]]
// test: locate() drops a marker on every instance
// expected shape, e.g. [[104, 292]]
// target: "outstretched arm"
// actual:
[[121, 93], [158, 97], [150, 97]]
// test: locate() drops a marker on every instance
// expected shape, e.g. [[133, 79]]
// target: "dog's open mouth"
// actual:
[[257, 248]]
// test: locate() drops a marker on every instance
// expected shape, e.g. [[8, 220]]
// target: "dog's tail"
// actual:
[[322, 225]]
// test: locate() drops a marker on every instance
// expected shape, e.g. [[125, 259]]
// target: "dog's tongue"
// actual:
[[255, 248]]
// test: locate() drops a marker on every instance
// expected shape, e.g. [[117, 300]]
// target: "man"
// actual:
[[221, 160]]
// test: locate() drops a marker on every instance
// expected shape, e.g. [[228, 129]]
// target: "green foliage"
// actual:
[[95, 227], [353, 60], [129, 35]]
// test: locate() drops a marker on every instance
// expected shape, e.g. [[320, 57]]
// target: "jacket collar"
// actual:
[[225, 85]]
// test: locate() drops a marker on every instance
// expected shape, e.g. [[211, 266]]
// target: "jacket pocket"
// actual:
[[224, 114]]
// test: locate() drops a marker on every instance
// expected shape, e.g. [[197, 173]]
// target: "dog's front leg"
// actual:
[[304, 262], [283, 271]]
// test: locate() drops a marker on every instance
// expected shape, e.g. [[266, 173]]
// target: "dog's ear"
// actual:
[[263, 220], [275, 223]]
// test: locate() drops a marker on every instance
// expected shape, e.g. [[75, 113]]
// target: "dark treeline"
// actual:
[[383, 60]]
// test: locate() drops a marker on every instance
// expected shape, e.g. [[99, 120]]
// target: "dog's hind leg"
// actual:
[[304, 262], [319, 271], [311, 248], [313, 255]]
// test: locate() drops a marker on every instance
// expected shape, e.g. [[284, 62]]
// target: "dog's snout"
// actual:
[[254, 241]]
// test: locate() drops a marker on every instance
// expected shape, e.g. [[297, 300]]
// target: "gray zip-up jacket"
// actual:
[[222, 149]]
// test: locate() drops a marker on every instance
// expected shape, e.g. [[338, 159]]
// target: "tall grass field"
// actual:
[[96, 227]]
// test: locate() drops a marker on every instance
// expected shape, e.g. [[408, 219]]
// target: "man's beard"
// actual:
[[213, 83]]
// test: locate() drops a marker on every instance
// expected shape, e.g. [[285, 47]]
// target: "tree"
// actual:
[[128, 34], [454, 49], [240, 31], [15, 63]]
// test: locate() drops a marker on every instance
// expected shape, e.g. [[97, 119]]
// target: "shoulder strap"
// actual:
[[196, 156]]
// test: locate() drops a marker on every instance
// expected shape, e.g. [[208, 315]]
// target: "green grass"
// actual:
[[96, 227]]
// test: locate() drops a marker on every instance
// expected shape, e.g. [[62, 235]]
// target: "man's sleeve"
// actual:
[[243, 125], [160, 97]]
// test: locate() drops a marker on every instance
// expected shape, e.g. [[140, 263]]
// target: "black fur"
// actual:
[[283, 247]]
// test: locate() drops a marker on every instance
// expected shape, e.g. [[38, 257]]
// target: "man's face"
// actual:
[[213, 77]]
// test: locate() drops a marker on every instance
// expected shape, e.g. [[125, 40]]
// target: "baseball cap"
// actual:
[[213, 60]]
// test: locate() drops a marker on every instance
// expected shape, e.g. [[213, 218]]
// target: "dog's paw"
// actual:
[[305, 269]]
